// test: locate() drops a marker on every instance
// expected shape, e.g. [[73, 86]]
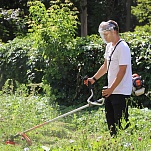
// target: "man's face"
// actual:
[[108, 35], [106, 31]]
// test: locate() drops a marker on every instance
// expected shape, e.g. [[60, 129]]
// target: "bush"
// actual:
[[23, 62], [20, 61], [141, 55]]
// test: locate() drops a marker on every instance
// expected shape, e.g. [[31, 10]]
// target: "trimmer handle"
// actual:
[[86, 82], [85, 78], [89, 85]]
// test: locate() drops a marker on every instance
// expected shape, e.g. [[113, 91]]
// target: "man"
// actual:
[[117, 65]]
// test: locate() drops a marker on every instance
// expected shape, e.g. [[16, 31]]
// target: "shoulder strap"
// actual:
[[112, 54]]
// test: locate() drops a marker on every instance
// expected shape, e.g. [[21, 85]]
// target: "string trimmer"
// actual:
[[28, 140]]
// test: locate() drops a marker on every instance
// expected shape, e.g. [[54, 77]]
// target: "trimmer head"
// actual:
[[11, 141]]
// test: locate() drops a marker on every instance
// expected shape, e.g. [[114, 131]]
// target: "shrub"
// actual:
[[23, 62], [52, 55], [141, 55]]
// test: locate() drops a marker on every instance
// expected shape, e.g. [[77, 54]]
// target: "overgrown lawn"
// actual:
[[84, 131]]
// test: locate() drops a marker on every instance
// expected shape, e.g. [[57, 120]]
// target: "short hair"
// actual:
[[115, 24]]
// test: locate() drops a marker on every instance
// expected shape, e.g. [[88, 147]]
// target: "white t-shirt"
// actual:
[[121, 56]]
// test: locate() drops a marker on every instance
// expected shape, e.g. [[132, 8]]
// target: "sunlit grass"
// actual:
[[84, 131]]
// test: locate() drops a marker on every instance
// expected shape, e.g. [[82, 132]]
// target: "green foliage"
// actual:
[[54, 30], [18, 113], [12, 23], [54, 27], [9, 87], [92, 133], [51, 55], [13, 59], [86, 59], [85, 130], [21, 61], [141, 56], [142, 12]]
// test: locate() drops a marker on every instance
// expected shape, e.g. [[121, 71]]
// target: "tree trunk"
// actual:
[[83, 18], [128, 14]]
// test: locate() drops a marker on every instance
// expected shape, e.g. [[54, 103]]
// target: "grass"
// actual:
[[84, 131]]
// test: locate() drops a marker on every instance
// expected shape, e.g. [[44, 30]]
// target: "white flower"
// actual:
[[127, 144], [26, 149], [71, 141], [45, 148]]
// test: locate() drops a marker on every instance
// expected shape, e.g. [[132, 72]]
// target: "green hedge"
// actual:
[[141, 55], [23, 62], [20, 61]]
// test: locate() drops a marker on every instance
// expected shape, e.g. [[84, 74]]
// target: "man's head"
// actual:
[[115, 25], [108, 30]]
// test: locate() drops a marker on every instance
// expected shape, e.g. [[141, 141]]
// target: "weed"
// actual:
[[82, 131]]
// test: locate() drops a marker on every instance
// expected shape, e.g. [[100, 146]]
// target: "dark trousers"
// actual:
[[116, 108]]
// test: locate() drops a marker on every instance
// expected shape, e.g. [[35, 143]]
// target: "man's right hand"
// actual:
[[91, 80]]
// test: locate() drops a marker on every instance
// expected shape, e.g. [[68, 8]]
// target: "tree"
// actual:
[[142, 11], [128, 14], [13, 15], [83, 18], [12, 19]]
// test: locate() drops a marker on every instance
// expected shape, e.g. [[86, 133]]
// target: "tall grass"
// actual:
[[84, 131]]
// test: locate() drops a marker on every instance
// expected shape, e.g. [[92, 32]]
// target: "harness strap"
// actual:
[[112, 54], [110, 61]]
